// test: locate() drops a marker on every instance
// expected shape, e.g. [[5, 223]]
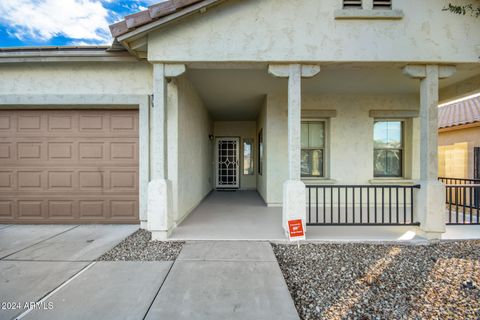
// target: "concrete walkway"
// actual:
[[224, 280]]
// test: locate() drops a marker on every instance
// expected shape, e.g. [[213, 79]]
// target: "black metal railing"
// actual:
[[447, 180], [361, 205], [463, 203]]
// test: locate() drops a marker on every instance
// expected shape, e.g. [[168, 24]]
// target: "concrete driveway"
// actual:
[[35, 260]]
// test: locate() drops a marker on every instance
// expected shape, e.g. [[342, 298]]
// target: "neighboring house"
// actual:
[[270, 95], [459, 139]]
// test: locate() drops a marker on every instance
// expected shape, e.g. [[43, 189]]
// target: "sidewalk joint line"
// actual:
[[158, 291], [62, 285], [28, 247]]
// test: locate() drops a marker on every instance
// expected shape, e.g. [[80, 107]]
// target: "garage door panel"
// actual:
[[29, 122], [60, 150], [6, 210], [6, 180], [30, 209], [62, 209], [69, 165], [61, 122], [123, 208], [6, 151], [29, 180], [6, 121]]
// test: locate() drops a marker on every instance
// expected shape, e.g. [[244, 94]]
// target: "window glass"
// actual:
[[388, 148], [388, 134], [313, 142], [312, 163], [304, 135], [315, 135], [248, 156]]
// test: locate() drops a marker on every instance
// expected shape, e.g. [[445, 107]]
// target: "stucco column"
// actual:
[[294, 121], [430, 200], [160, 213], [294, 195]]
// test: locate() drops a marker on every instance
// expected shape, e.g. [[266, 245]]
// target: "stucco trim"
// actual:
[[388, 181], [394, 14], [316, 114], [394, 113], [107, 101]]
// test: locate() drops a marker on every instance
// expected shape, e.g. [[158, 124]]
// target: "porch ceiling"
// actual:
[[237, 93]]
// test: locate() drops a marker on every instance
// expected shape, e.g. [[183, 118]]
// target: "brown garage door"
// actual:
[[68, 166]]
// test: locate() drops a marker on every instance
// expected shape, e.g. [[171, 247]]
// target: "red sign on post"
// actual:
[[295, 230]]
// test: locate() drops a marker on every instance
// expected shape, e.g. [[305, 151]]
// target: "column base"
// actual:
[[294, 203], [160, 235], [430, 207], [430, 235], [160, 208]]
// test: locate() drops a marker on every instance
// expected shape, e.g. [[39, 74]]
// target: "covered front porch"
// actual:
[[267, 107]]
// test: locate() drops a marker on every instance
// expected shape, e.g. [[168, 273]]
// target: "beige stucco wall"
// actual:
[[350, 138], [306, 30], [471, 136], [194, 157], [243, 130], [76, 78]]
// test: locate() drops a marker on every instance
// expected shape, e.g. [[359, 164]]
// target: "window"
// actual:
[[382, 4], [313, 149], [260, 152], [248, 156], [388, 148], [352, 4]]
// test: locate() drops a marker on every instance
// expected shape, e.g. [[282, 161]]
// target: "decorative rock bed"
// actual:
[[375, 281], [138, 247]]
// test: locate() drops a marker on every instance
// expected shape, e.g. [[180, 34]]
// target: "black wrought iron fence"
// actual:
[[463, 203], [447, 180], [361, 205]]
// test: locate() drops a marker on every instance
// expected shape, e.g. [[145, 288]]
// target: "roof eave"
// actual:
[[68, 54]]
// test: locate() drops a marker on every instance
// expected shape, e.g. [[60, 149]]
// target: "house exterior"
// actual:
[[459, 139], [284, 97]]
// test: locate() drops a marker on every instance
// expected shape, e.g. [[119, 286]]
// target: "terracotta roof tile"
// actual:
[[458, 113], [153, 13], [138, 19], [162, 9]]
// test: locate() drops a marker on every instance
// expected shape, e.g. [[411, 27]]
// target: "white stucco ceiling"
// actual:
[[237, 93]]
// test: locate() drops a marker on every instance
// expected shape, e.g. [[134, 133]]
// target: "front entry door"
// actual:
[[227, 163]]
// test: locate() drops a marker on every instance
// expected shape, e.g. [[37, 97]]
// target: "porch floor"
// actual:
[[243, 215], [232, 215]]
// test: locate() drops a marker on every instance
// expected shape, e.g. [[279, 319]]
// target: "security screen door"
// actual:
[[227, 163]]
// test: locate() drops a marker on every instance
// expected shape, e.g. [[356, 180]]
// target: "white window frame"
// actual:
[[403, 148], [326, 150]]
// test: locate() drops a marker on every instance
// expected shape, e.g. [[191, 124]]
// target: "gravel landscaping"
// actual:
[[138, 247], [375, 281]]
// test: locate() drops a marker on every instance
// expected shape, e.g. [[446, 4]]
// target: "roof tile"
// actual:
[[162, 9], [138, 19], [458, 113], [154, 12], [184, 3], [118, 28]]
